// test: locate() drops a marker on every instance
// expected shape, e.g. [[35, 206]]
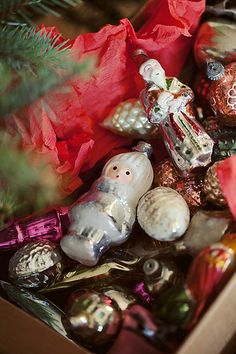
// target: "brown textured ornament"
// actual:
[[129, 119], [212, 187], [222, 96], [191, 189]]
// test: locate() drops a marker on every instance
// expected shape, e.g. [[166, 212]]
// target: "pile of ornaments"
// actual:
[[142, 255]]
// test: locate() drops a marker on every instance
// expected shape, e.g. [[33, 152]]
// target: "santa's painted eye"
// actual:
[[115, 168], [127, 172]]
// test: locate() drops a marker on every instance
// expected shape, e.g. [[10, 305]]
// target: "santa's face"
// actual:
[[120, 172], [152, 71]]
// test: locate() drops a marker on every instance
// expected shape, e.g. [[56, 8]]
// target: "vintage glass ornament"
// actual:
[[212, 186], [209, 272], [224, 138], [206, 227], [105, 215], [36, 265], [140, 334], [160, 274], [215, 41], [122, 296], [222, 92], [175, 306], [191, 188], [116, 266], [37, 305], [50, 226], [168, 104], [93, 318], [141, 292], [163, 214], [129, 119]]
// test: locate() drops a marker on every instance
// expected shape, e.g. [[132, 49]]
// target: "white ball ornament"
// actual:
[[163, 214]]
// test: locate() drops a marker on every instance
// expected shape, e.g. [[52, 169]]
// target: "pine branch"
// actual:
[[25, 186], [18, 10], [31, 89], [31, 64], [25, 49]]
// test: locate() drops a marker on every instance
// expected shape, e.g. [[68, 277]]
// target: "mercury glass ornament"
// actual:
[[209, 272], [163, 214], [167, 103], [175, 306], [49, 226], [206, 227], [222, 92], [104, 216], [129, 119], [36, 265], [212, 186], [94, 319], [160, 274], [140, 334]]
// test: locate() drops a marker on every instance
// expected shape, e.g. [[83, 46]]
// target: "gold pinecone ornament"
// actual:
[[212, 186], [129, 119]]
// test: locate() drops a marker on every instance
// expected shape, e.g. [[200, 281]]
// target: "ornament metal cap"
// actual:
[[144, 147], [215, 70], [140, 56]]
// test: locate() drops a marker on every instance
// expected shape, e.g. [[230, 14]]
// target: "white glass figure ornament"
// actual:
[[105, 215], [167, 103]]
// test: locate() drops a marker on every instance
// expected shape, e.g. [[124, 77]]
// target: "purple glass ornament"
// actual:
[[49, 226], [141, 292]]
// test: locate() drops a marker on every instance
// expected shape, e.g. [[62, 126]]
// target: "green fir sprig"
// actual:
[[16, 12]]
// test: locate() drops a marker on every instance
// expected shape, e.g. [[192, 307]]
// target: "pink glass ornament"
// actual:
[[49, 226]]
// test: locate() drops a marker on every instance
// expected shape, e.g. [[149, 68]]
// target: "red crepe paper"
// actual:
[[226, 172], [64, 125]]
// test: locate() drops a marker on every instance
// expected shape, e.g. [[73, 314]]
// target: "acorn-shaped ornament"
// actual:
[[129, 119], [163, 214], [212, 186]]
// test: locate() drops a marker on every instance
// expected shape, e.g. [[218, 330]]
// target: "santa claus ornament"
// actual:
[[105, 215], [167, 103]]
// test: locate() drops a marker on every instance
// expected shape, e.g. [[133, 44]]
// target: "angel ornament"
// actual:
[[168, 104]]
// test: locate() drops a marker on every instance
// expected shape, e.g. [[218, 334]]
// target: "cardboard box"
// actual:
[[20, 333]]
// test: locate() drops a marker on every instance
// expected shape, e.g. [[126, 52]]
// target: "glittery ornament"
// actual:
[[92, 318], [222, 93], [209, 272], [36, 265], [212, 187], [224, 137], [129, 119], [163, 214], [191, 189], [215, 41]]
